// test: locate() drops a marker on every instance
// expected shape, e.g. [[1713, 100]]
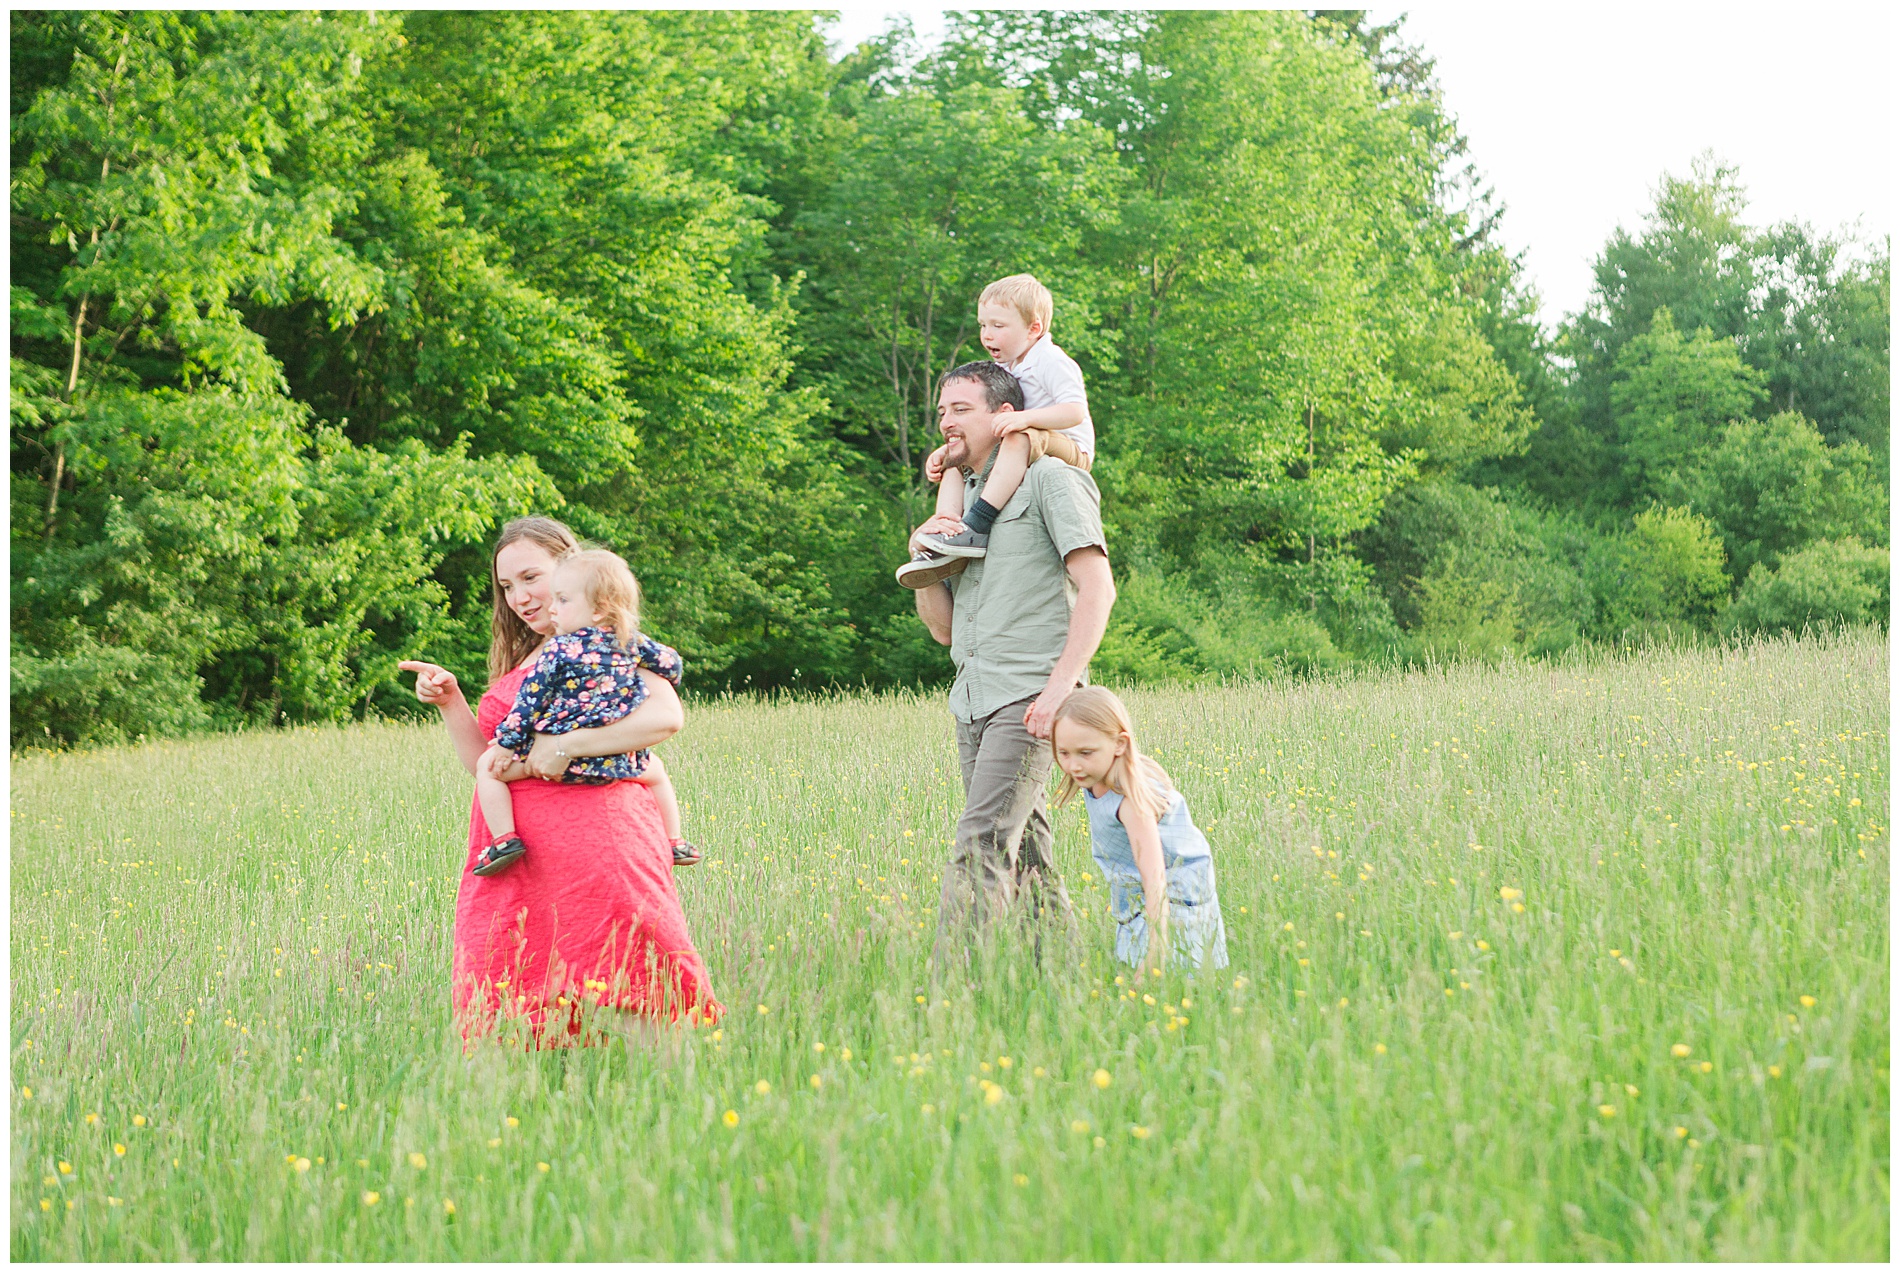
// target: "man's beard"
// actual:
[[956, 454]]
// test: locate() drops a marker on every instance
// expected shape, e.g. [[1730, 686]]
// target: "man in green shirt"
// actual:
[[1022, 623]]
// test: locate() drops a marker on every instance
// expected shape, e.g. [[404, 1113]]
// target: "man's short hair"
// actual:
[[1022, 293], [999, 386]]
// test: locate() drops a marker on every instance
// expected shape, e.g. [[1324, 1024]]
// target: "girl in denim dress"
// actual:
[[588, 675], [1159, 868]]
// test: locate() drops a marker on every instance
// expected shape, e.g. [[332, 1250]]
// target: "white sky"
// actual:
[[1574, 113]]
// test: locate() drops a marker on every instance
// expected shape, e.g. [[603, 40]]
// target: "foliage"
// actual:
[[1664, 574], [1670, 397], [186, 545], [1772, 485], [304, 304], [1829, 581]]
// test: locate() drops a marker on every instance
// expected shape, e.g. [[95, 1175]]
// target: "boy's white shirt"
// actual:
[[1049, 376]]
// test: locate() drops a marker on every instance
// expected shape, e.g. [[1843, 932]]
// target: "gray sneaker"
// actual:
[[962, 544], [927, 568]]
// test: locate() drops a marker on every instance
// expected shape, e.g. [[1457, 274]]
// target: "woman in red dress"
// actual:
[[590, 917]]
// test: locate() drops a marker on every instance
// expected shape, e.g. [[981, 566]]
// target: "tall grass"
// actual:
[[1527, 963]]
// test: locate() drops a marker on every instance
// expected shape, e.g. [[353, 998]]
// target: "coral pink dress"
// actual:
[[589, 917]]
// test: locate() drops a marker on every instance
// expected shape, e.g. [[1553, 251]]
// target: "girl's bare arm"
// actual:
[[1145, 835]]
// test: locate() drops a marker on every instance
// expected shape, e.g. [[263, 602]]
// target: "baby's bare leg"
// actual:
[[1012, 462], [655, 779], [498, 807]]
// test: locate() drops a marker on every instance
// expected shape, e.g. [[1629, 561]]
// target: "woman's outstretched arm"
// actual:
[[437, 687], [654, 721]]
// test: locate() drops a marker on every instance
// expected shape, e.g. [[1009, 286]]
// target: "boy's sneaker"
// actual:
[[927, 568], [965, 543], [685, 853], [500, 855]]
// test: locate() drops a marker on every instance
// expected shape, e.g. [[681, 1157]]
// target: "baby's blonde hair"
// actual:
[[1022, 293], [1100, 710], [610, 588]]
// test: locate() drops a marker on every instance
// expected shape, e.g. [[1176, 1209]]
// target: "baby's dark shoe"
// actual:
[[685, 854], [500, 855], [927, 568]]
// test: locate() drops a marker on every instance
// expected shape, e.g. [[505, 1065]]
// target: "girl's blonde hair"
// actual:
[[1099, 709], [1024, 294], [511, 640], [610, 588]]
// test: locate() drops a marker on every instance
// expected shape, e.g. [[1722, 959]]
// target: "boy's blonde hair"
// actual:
[[1099, 709], [1022, 293], [610, 588]]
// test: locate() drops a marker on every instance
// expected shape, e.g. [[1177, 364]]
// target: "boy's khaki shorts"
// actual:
[[1043, 442]]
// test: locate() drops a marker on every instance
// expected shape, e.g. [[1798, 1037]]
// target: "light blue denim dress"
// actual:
[[1194, 922]]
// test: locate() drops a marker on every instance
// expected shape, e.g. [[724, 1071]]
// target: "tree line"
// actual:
[[303, 305]]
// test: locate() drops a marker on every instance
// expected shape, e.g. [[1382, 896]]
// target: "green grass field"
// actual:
[[1563, 963]]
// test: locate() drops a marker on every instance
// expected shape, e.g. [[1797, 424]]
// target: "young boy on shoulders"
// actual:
[[1013, 315]]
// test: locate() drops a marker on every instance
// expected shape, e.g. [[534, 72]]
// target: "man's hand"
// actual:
[[1041, 716], [940, 524], [933, 466]]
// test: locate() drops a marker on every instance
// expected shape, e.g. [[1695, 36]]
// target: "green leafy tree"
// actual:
[[1772, 485], [176, 554], [1829, 581], [1671, 397], [1664, 575]]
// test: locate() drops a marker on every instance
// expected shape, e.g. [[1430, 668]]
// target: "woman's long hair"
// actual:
[[512, 640], [1098, 709], [611, 590]]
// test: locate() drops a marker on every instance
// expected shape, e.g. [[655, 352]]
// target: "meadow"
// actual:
[[1570, 961]]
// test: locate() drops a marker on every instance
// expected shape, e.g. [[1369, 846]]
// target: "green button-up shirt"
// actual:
[[1010, 617]]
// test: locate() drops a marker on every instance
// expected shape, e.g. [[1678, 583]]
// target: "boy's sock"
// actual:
[[980, 516]]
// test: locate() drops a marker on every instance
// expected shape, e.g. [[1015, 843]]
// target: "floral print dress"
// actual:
[[583, 680]]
